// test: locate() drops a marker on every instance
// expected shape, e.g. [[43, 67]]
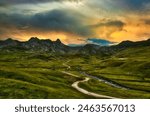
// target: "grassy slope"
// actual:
[[30, 75], [130, 68], [34, 76]]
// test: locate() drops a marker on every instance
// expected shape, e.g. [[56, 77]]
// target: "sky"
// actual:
[[75, 21]]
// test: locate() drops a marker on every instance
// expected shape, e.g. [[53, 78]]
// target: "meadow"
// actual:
[[39, 75]]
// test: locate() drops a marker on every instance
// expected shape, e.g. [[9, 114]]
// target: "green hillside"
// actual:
[[26, 75], [130, 68], [36, 75]]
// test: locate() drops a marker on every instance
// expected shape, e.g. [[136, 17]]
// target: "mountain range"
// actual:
[[36, 45]]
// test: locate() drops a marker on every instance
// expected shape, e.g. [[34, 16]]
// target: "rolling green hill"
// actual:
[[34, 74], [130, 68]]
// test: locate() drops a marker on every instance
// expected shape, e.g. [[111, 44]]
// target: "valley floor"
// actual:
[[47, 76]]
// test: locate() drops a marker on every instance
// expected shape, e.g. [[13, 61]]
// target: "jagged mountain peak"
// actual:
[[9, 39], [33, 39], [46, 45], [58, 41]]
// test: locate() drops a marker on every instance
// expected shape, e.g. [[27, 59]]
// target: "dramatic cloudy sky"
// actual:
[[74, 21]]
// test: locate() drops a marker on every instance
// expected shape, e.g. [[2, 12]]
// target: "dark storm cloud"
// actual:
[[135, 4], [119, 5], [13, 20], [59, 21], [118, 24], [10, 2], [55, 20]]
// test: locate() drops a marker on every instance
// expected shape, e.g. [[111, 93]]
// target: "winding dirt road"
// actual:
[[76, 86]]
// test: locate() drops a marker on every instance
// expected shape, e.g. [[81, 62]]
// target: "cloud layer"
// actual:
[[75, 20], [55, 20], [11, 2]]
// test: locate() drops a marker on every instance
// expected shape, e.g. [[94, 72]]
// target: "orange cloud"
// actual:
[[134, 28]]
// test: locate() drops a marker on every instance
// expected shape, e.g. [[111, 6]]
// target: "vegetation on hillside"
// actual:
[[38, 75]]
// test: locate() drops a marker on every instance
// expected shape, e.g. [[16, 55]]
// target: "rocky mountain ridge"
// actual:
[[36, 45]]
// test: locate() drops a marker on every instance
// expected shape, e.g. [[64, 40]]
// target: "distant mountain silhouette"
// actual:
[[133, 44], [36, 45]]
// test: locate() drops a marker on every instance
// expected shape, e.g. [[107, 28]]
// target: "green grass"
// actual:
[[130, 68], [24, 77], [38, 75], [104, 89]]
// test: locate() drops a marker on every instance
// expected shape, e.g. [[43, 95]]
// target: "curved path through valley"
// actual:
[[76, 86]]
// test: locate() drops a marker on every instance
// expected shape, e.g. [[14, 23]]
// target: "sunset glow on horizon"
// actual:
[[74, 21]]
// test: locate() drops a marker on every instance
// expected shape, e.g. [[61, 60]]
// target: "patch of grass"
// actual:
[[38, 75], [104, 89]]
